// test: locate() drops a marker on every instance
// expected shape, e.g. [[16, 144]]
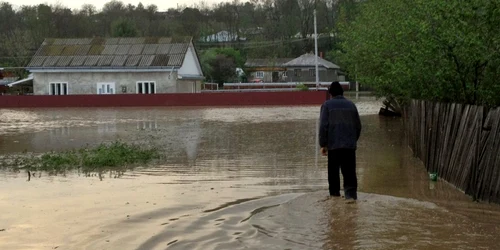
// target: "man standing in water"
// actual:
[[339, 131]]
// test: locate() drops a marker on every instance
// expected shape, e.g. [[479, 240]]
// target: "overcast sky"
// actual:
[[74, 4]]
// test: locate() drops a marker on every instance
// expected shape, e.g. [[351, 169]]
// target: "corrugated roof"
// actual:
[[92, 61], [109, 50], [160, 60], [308, 60], [266, 62], [146, 60], [163, 49], [133, 61], [150, 49], [179, 48], [83, 41], [50, 50], [37, 61], [69, 50], [58, 42], [136, 49], [119, 61], [132, 40], [51, 61], [78, 60], [83, 50], [140, 52], [96, 50], [175, 59], [105, 61], [64, 61], [122, 49]]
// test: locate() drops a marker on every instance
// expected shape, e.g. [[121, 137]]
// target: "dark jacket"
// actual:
[[340, 125]]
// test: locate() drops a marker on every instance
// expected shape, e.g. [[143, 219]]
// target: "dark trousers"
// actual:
[[345, 159]]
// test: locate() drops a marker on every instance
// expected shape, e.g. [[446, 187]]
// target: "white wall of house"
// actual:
[[191, 65], [87, 82], [222, 36]]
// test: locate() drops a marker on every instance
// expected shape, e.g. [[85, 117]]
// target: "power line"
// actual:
[[246, 45], [269, 44], [255, 43]]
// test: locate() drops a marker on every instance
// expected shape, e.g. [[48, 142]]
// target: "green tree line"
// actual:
[[264, 28], [278, 28]]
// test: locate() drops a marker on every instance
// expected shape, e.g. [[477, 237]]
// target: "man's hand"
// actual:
[[324, 151]]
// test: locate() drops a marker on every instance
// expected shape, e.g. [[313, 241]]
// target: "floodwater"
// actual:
[[233, 178]]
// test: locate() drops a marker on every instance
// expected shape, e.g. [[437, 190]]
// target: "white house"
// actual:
[[222, 36], [116, 65]]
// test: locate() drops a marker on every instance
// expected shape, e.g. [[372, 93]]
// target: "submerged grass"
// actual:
[[116, 155]]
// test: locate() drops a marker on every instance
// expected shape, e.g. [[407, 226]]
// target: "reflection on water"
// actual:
[[233, 178], [147, 125]]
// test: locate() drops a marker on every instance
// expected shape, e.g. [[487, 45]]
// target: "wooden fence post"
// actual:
[[460, 142]]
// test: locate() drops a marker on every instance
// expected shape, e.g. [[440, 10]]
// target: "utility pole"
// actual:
[[316, 50]]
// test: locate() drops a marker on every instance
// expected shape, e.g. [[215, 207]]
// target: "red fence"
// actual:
[[197, 99]]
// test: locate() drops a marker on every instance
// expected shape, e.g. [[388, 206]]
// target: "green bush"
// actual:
[[104, 156], [302, 87]]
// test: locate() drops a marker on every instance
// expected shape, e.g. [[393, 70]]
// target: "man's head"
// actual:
[[335, 89]]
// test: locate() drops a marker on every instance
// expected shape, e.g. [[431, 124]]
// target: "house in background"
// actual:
[[223, 36], [116, 65], [302, 69], [267, 70]]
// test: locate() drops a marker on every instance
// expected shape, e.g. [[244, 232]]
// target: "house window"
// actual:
[[259, 74], [285, 74], [146, 88], [312, 72], [58, 88], [297, 72]]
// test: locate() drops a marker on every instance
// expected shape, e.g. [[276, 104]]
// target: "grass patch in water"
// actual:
[[104, 156]]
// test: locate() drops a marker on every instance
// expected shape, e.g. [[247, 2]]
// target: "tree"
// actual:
[[219, 64], [87, 10], [64, 22], [223, 69], [289, 12], [233, 54], [113, 7], [426, 49], [18, 46], [123, 28], [8, 17], [190, 22], [206, 59]]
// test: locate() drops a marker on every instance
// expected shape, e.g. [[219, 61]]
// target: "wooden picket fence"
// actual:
[[461, 143]]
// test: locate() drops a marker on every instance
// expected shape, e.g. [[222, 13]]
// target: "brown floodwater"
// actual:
[[233, 178]]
